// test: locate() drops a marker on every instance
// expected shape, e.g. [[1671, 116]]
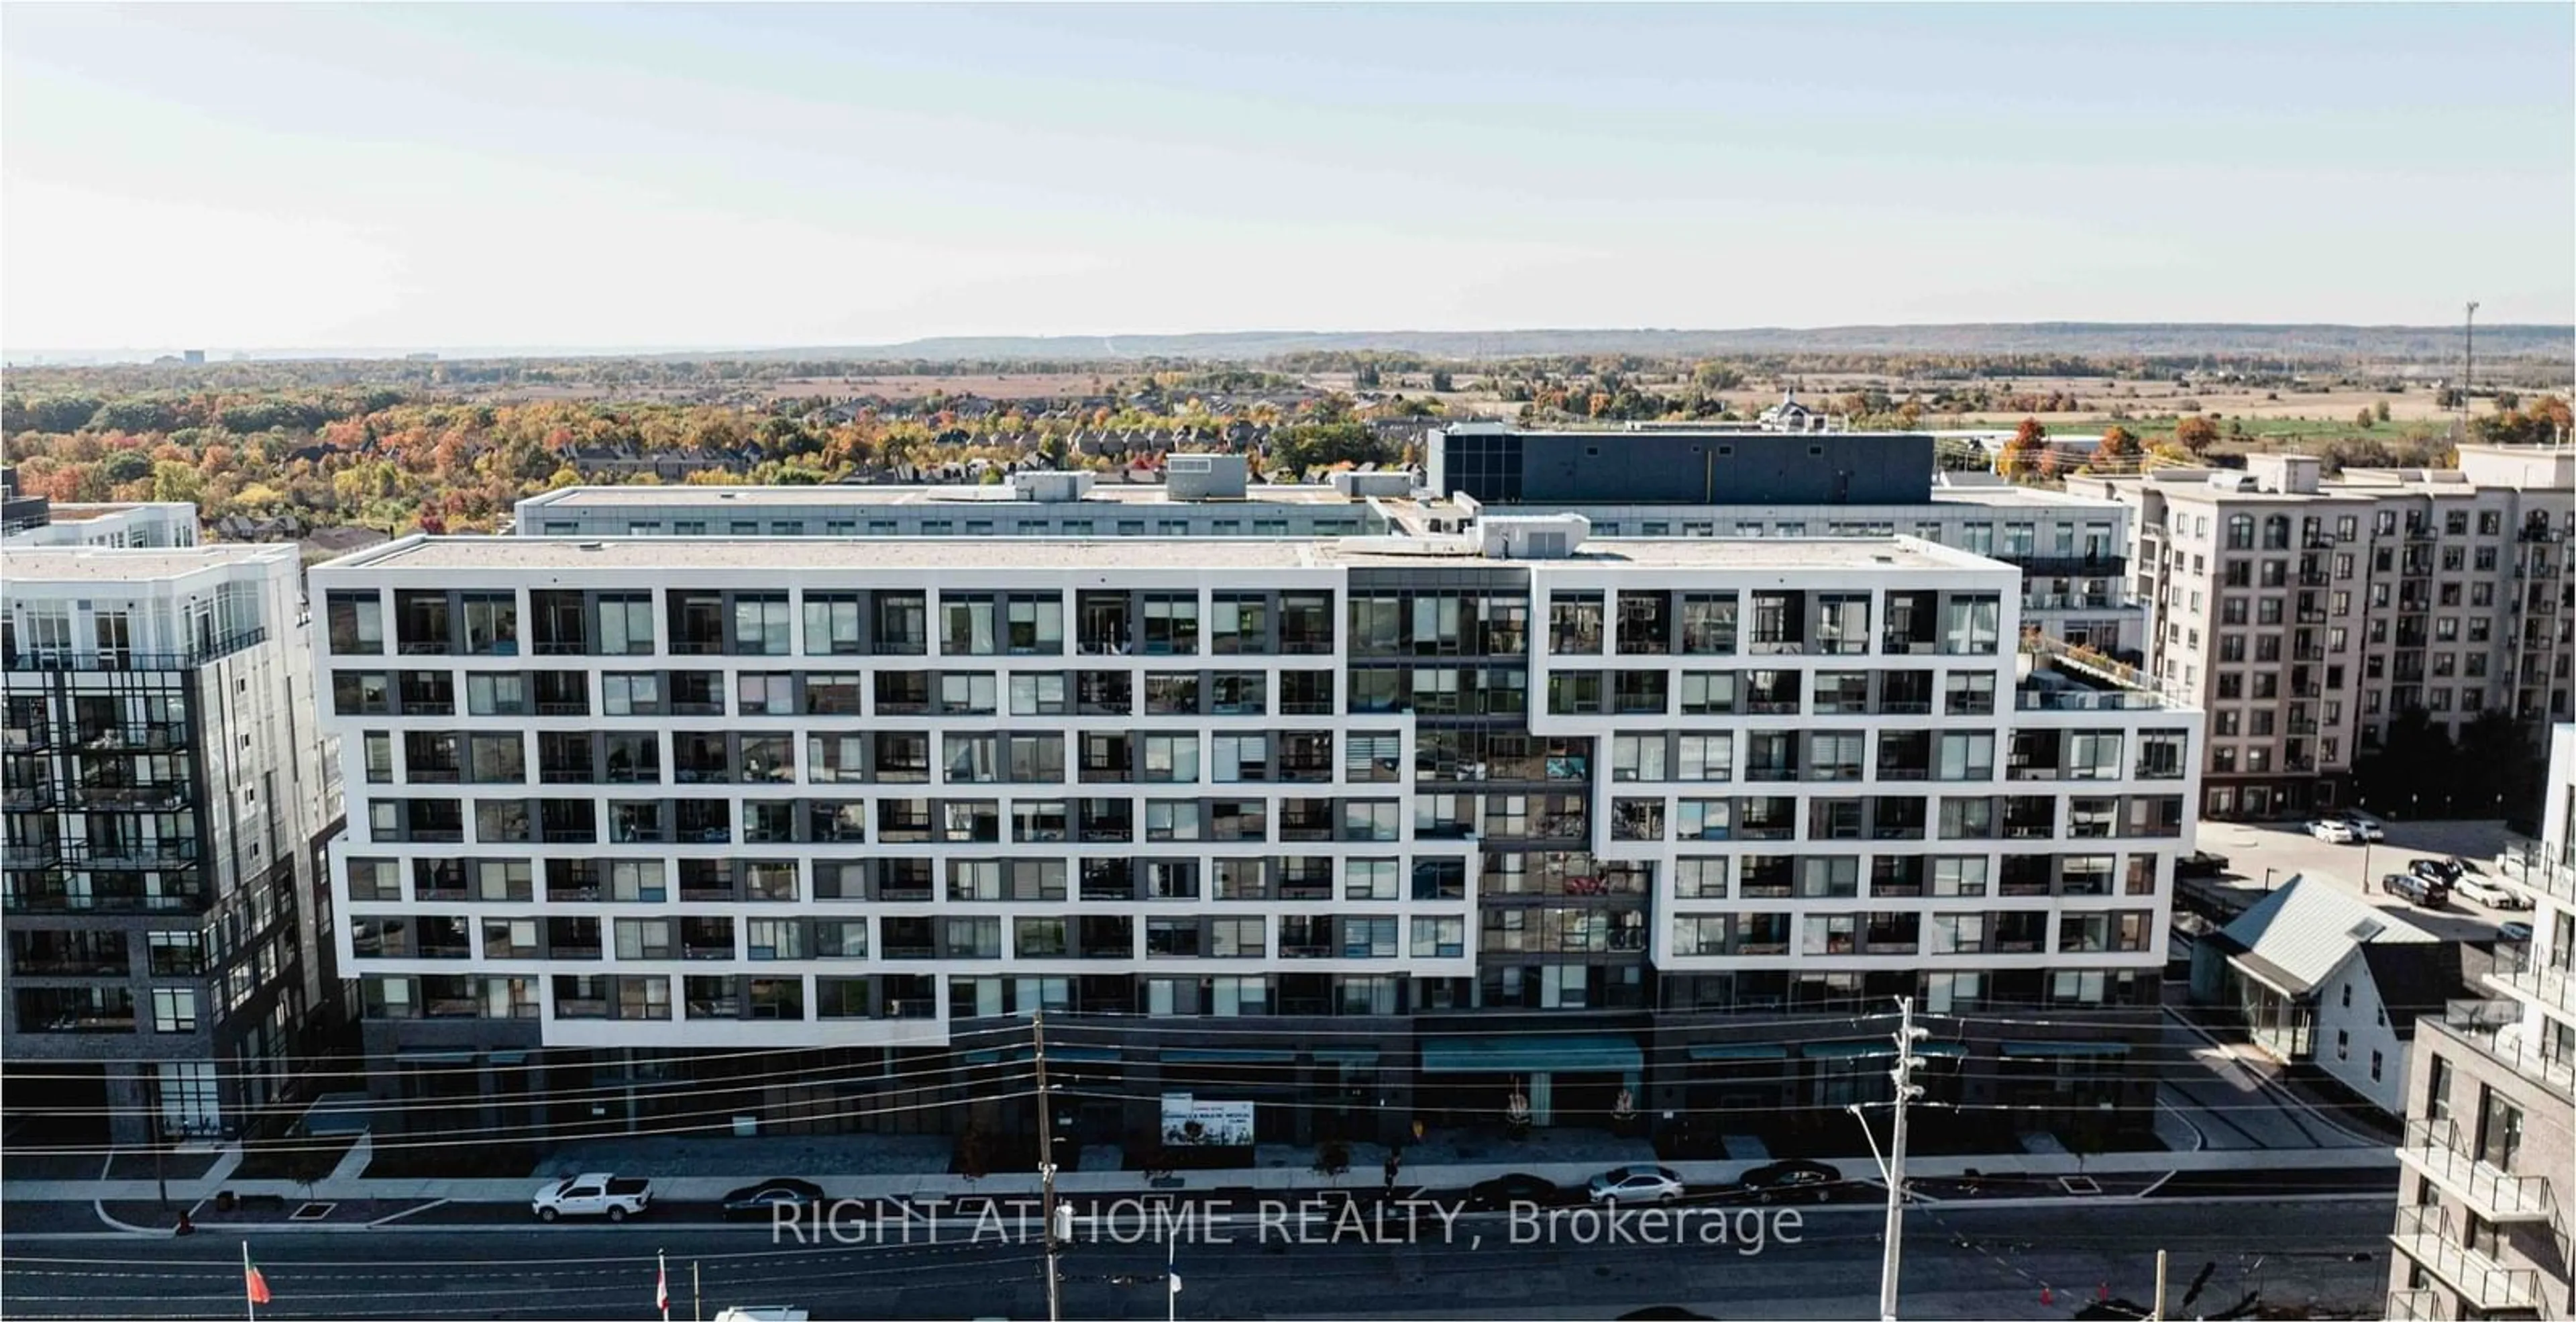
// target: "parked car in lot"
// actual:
[[2416, 889], [2489, 892], [2513, 931], [2201, 863], [611, 1196], [1791, 1181], [1635, 1184], [2333, 830], [1504, 1190], [759, 1199], [2444, 870], [2366, 826]]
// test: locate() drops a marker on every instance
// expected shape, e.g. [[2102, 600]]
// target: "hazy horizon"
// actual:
[[116, 354], [321, 180]]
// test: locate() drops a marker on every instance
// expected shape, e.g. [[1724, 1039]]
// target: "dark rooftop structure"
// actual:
[[17, 511], [1498, 464]]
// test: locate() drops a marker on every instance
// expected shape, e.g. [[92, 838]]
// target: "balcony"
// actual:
[[2425, 1235], [2524, 974], [2068, 566], [2542, 877], [155, 738], [140, 854], [2438, 1150], [33, 854], [2494, 1029], [166, 797], [2415, 1306], [46, 658]]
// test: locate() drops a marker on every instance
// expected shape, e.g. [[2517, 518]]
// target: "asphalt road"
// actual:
[[1960, 1262]]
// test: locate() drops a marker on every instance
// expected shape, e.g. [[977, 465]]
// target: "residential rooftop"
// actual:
[[1850, 555], [26, 565], [1002, 493]]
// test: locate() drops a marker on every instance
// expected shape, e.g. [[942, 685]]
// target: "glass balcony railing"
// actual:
[[2441, 1152], [2494, 1029], [2425, 1234], [2521, 971], [2543, 872], [2415, 1306]]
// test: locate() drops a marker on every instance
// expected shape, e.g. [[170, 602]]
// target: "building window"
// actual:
[[174, 1010]]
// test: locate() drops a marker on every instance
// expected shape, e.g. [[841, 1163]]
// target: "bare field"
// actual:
[[1031, 385]]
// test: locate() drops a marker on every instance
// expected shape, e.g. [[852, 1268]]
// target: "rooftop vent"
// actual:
[[1206, 476], [1533, 536], [1395, 484], [1049, 487]]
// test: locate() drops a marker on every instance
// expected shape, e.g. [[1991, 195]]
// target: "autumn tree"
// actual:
[[2020, 456], [2196, 434], [2118, 451]]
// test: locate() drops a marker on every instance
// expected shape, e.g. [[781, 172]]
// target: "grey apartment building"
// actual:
[[167, 796], [2305, 614], [2489, 1157]]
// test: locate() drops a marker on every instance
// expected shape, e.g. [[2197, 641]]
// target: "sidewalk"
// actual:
[[1274, 1180]]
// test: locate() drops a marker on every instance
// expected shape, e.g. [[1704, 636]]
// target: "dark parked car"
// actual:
[[2443, 870], [2416, 889], [1504, 1190], [1791, 1181], [2201, 863], [758, 1199]]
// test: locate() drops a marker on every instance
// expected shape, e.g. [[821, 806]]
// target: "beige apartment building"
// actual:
[[2489, 1157], [2305, 614]]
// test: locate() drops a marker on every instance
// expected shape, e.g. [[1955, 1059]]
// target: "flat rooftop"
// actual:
[[1995, 497], [84, 513], [1101, 493], [101, 564], [1850, 554]]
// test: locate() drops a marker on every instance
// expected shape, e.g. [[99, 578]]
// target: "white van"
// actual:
[[762, 1313]]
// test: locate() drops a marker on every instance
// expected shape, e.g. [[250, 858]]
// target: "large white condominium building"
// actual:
[[1591, 815]]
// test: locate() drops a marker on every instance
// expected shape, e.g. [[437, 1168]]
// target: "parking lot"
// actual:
[[2262, 855]]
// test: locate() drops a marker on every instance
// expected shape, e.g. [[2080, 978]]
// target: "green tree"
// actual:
[[175, 481], [132, 414], [62, 413], [1716, 376], [125, 466]]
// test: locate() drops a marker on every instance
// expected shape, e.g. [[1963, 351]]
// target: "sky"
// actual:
[[599, 176]]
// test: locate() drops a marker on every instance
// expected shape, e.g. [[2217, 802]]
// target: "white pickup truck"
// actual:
[[592, 1195]]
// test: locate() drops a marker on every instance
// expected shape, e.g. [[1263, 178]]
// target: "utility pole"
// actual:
[[152, 1116], [1046, 1163], [697, 1297], [2159, 1314], [1906, 1091], [2469, 357]]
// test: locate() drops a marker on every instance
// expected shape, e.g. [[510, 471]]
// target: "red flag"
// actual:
[[662, 1288], [255, 1284]]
